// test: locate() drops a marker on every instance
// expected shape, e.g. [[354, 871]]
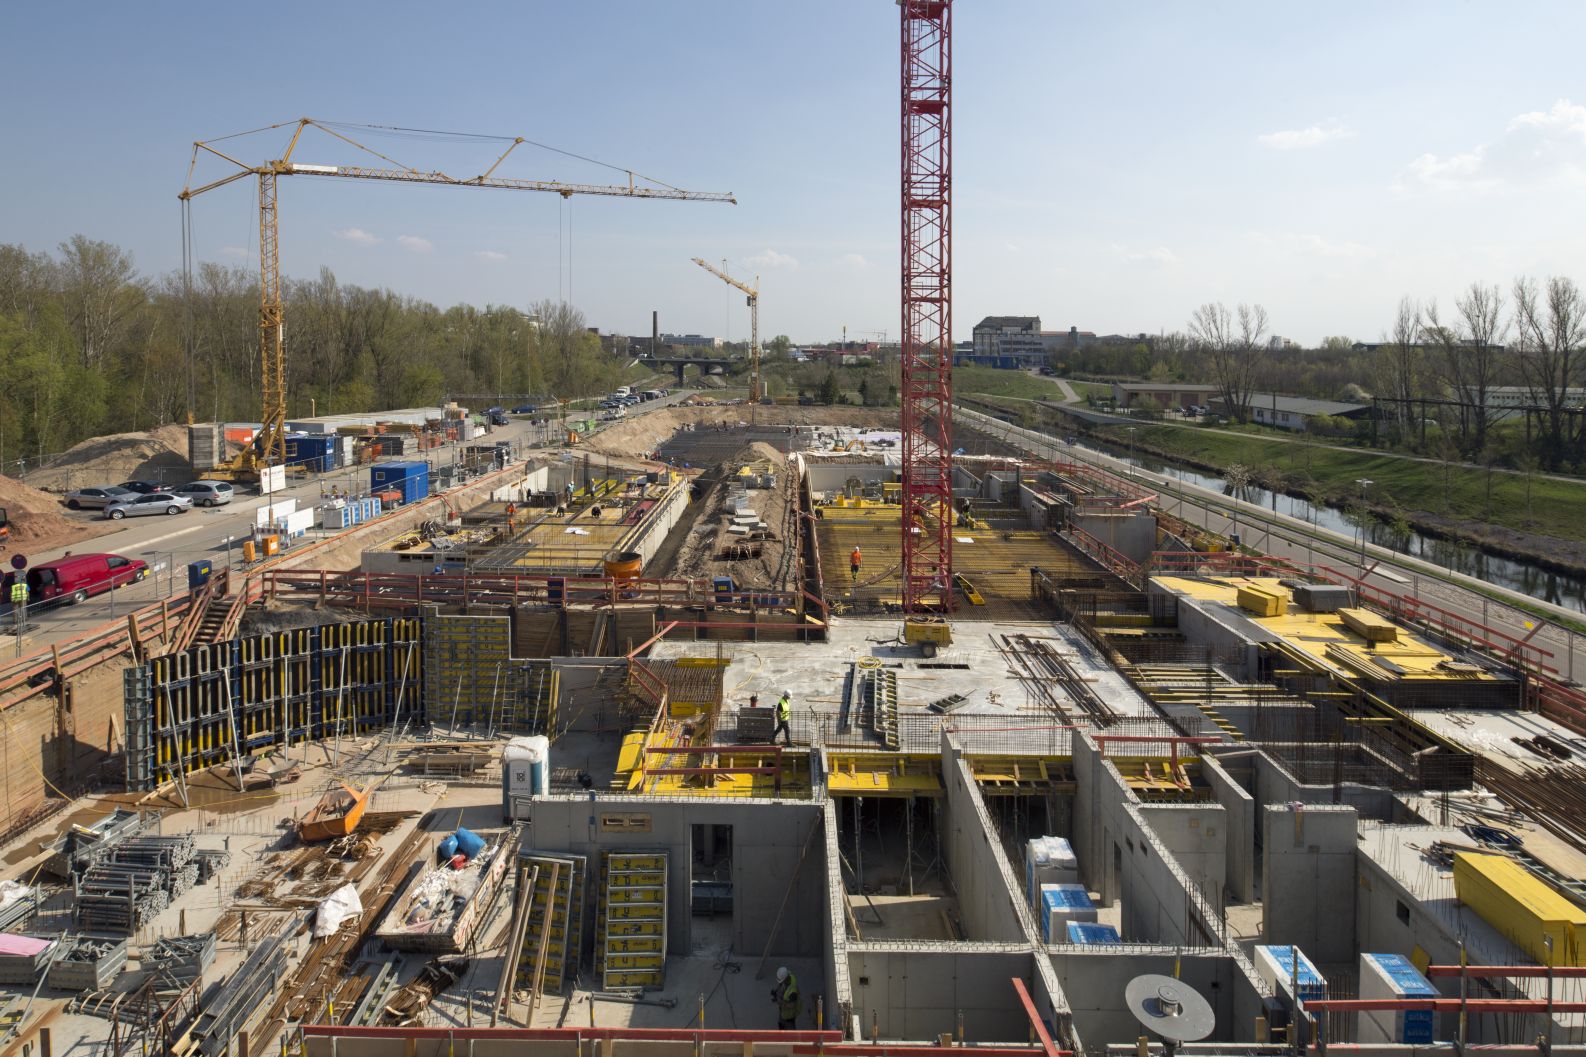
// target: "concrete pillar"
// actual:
[[1308, 877]]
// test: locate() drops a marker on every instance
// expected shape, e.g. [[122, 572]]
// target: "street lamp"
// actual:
[[1364, 483], [1131, 431]]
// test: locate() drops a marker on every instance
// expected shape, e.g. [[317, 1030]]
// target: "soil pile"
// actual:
[[150, 455], [37, 523]]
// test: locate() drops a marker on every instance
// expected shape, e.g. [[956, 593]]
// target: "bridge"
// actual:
[[679, 363]]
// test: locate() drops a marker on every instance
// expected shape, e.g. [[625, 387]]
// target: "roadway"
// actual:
[[170, 544], [1280, 535]]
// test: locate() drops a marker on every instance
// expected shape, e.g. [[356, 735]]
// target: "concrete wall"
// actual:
[[912, 991], [1239, 822], [1308, 880], [829, 477], [839, 987], [768, 838], [1275, 785], [1094, 980], [1197, 835], [1132, 533], [984, 881], [1122, 858], [1223, 628]]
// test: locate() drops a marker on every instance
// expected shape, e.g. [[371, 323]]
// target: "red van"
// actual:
[[82, 575]]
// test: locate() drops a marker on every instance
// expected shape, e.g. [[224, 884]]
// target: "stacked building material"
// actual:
[[135, 881], [211, 863], [18, 902], [182, 958], [89, 964], [22, 958], [228, 1009]]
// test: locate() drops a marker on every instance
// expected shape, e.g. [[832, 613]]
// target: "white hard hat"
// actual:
[[781, 974], [787, 693]]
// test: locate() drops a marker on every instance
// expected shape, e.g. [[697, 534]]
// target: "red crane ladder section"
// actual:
[[927, 351]]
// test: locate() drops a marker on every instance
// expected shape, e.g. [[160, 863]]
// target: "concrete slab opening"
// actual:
[[895, 880], [711, 904]]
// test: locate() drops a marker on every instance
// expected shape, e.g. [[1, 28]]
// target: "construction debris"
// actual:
[[87, 964]]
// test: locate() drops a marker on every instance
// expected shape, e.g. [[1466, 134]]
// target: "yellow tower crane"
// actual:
[[753, 296], [269, 447]]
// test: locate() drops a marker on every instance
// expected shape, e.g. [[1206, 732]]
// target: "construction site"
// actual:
[[753, 725]]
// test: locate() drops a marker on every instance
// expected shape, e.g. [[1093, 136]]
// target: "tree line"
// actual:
[[90, 346], [1433, 367]]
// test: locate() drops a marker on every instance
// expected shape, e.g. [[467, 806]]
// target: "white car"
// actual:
[[153, 503]]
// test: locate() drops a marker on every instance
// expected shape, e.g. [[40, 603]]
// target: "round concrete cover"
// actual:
[[1169, 1007]]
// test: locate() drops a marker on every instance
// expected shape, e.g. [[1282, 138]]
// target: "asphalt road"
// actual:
[[169, 544], [1288, 537]]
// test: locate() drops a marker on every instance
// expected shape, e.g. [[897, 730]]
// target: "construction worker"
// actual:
[[853, 564], [784, 713], [786, 996]]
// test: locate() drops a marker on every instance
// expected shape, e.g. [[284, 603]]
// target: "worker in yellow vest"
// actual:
[[784, 713], [786, 996]]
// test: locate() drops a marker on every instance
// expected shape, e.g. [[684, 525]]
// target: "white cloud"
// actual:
[[1303, 244], [1155, 256], [857, 261], [233, 251], [490, 255], [1540, 147], [770, 258], [415, 244], [358, 235], [1303, 138]]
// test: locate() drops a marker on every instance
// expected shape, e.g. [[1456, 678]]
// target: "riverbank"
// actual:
[[1489, 511]]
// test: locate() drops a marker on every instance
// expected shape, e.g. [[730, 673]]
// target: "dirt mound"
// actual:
[[644, 434], [37, 523], [154, 455], [760, 451]]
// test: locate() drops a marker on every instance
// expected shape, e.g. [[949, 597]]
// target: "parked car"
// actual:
[[82, 575], [145, 505], [144, 487], [206, 493], [98, 498], [524, 409]]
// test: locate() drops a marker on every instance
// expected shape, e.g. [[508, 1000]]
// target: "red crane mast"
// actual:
[[927, 351]]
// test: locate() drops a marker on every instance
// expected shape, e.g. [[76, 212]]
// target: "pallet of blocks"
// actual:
[[556, 920], [630, 922]]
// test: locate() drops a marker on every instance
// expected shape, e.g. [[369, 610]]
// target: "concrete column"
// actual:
[[1309, 878]]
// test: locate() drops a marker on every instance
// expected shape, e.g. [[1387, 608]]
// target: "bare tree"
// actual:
[[1404, 359], [1551, 321], [1235, 347], [1483, 331]]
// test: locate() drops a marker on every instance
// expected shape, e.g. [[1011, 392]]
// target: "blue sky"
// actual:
[[1116, 164]]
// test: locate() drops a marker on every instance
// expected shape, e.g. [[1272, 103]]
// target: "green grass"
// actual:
[[990, 381], [1555, 508], [1099, 389]]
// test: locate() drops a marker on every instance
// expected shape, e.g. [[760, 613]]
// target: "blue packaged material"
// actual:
[[1089, 932], [448, 846], [1398, 977]]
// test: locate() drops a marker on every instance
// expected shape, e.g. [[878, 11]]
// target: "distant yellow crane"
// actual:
[[753, 294], [269, 447]]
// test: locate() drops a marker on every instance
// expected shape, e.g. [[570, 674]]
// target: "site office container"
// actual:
[[1522, 907], [315, 451], [82, 575], [412, 479]]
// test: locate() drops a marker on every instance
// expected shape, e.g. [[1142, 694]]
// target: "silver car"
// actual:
[[206, 493], [154, 503], [93, 498]]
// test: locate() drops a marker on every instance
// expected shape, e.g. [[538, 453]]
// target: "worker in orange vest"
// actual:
[[853, 564]]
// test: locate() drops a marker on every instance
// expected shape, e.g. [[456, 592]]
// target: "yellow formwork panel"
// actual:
[[1521, 906], [1328, 639], [884, 774], [1019, 774]]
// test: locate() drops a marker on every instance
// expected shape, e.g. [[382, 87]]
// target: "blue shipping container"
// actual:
[[317, 453]]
